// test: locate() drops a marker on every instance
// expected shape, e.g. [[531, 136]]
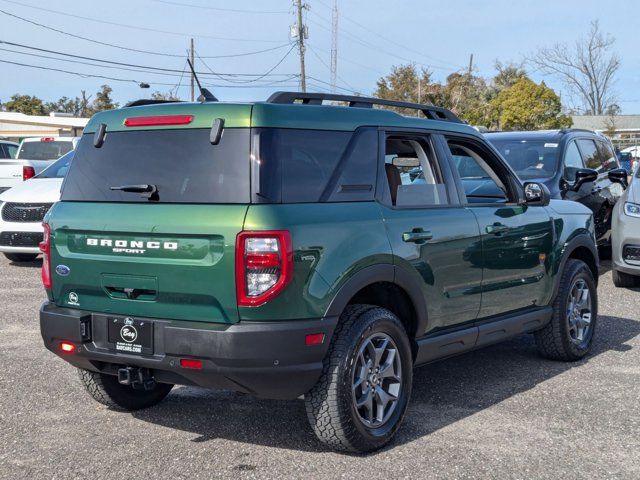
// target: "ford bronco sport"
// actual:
[[284, 248]]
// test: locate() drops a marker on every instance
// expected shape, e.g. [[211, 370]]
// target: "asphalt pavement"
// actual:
[[501, 412]]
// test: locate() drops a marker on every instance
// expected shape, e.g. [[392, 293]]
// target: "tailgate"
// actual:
[[10, 173], [149, 260]]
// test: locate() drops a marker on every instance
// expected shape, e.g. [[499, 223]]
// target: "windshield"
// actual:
[[529, 158], [57, 169], [44, 150], [182, 165]]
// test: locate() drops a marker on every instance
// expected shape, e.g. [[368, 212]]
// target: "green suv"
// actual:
[[290, 247]]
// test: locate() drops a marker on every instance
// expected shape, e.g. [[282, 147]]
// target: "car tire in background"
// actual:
[[624, 280], [21, 257], [569, 334], [106, 390], [362, 395]]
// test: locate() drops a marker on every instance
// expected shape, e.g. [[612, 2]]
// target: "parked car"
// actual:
[[574, 164], [275, 248], [626, 237], [23, 208], [626, 161], [8, 149], [32, 157]]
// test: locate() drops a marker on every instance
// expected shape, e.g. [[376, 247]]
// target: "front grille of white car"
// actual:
[[25, 212], [20, 239]]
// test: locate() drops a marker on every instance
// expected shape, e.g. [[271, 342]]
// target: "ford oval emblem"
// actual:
[[63, 270]]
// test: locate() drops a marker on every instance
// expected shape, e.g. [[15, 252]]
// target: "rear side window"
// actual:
[[12, 150], [183, 165], [590, 154], [300, 166], [44, 150]]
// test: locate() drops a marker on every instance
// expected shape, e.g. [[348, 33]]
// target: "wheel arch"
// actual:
[[582, 248]]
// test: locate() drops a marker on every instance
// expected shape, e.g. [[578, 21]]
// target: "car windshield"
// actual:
[[57, 169], [529, 158], [45, 149]]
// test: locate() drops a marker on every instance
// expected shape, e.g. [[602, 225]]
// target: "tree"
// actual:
[[467, 96], [588, 68], [27, 104], [64, 105], [165, 96], [508, 74], [527, 105], [103, 100], [405, 84]]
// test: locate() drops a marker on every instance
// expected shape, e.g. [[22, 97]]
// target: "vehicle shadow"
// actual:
[[37, 263], [443, 393]]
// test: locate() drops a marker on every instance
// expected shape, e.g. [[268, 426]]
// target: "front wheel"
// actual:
[[361, 397], [569, 334]]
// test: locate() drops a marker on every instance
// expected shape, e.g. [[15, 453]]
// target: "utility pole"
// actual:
[[191, 56], [334, 46], [301, 33], [470, 65]]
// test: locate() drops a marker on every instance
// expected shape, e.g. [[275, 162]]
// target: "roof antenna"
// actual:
[[205, 95]]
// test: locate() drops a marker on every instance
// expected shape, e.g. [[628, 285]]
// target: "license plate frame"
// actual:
[[129, 335]]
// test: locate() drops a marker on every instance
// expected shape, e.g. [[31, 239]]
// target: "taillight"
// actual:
[[45, 248], [264, 266], [28, 172]]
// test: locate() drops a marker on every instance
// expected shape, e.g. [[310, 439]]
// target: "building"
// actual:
[[16, 126], [626, 128]]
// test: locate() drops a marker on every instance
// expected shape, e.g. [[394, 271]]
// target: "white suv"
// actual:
[[22, 209]]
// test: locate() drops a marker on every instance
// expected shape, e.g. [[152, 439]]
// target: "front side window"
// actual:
[[607, 157], [412, 172], [572, 162], [590, 154]]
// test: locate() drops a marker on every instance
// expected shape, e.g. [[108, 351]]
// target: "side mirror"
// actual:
[[619, 175], [536, 194], [584, 175]]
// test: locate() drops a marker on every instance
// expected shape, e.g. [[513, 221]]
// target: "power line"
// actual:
[[333, 83], [232, 10], [138, 27]]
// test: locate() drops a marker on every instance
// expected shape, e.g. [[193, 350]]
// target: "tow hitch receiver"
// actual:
[[138, 378]]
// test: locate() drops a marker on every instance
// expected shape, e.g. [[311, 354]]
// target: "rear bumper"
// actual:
[[266, 359]]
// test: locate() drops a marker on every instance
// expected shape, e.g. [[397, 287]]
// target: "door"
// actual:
[[433, 237], [516, 238]]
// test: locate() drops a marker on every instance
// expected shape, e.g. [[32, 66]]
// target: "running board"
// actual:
[[435, 347]]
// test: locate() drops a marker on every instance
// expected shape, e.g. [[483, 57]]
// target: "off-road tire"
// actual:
[[554, 341], [106, 390], [330, 405], [21, 257], [624, 280]]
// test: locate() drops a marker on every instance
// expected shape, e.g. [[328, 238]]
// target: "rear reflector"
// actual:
[[158, 120], [67, 347], [45, 248], [191, 363], [28, 172], [314, 339]]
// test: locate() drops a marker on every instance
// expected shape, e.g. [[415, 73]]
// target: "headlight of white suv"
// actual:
[[632, 209]]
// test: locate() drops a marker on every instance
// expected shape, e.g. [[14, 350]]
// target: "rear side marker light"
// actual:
[[314, 339], [45, 248], [158, 120], [67, 347], [264, 265], [28, 172], [191, 363]]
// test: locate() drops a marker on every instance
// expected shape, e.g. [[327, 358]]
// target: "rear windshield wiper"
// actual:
[[147, 190]]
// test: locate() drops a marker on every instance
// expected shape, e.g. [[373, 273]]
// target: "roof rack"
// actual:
[[429, 111], [148, 101], [571, 129]]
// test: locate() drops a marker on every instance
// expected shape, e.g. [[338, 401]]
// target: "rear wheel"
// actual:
[[362, 395], [21, 257], [624, 280], [569, 334], [106, 390]]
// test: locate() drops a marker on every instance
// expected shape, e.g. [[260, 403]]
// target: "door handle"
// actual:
[[417, 235], [497, 229]]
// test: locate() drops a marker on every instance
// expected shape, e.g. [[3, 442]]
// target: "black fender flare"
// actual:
[[582, 240], [382, 273]]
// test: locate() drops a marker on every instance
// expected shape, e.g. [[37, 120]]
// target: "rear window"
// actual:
[[44, 150], [183, 165]]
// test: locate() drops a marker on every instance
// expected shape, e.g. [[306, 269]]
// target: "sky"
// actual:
[[374, 35]]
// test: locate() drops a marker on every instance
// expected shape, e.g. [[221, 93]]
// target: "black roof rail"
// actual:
[[429, 111], [571, 129], [148, 101]]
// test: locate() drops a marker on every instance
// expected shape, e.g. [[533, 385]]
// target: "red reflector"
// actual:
[[45, 248], [158, 120], [67, 347], [47, 139], [314, 339], [191, 363], [28, 172], [262, 260]]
